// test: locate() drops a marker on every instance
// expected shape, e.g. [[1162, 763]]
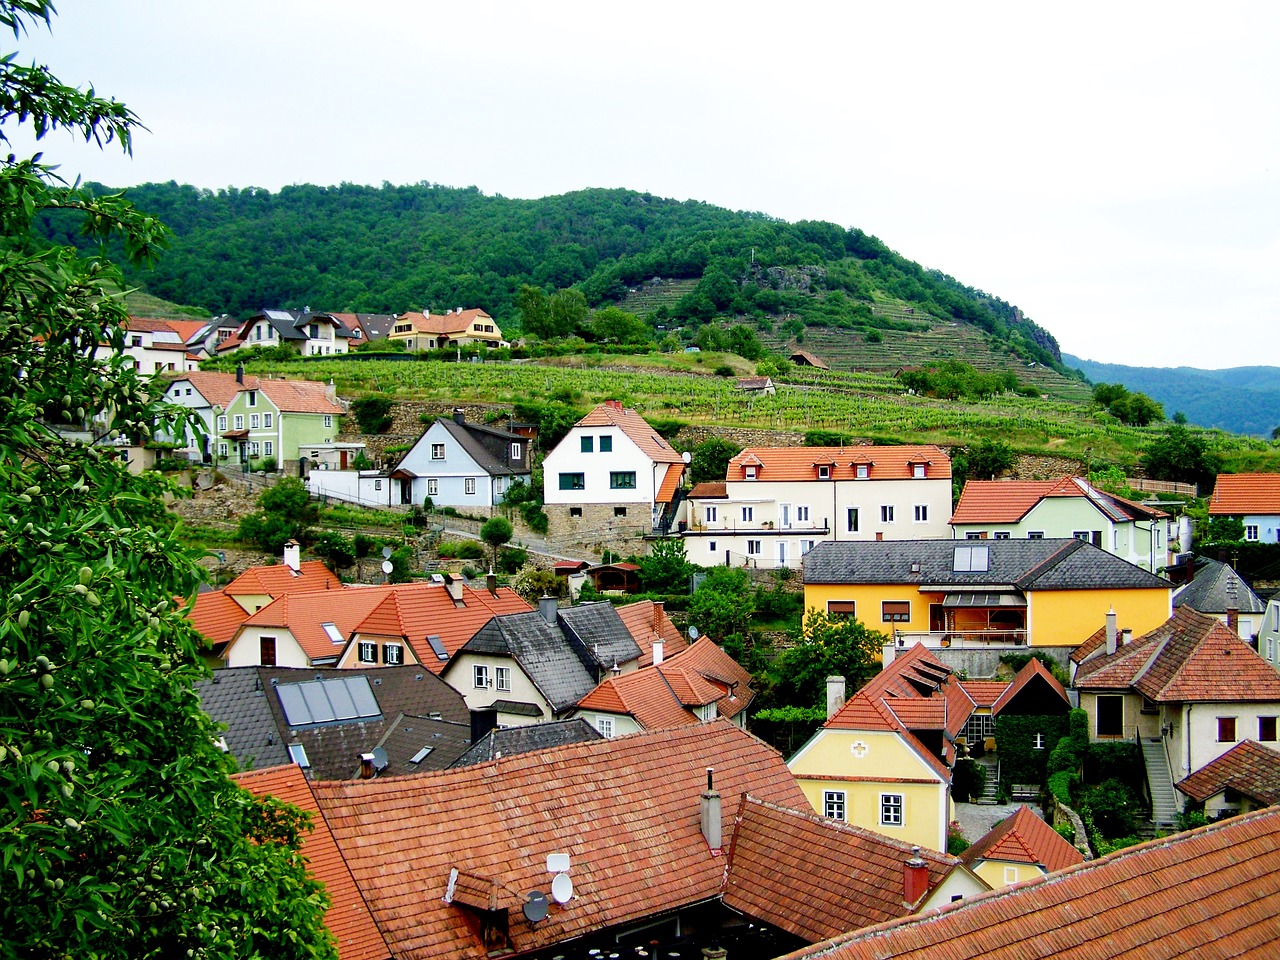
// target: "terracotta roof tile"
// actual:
[[647, 622], [634, 816], [1022, 837], [300, 396], [218, 388], [670, 483], [716, 490], [217, 616], [447, 323], [611, 413], [1238, 494], [1208, 893], [984, 692], [814, 877], [1249, 768], [279, 579], [797, 463], [348, 917], [303, 615]]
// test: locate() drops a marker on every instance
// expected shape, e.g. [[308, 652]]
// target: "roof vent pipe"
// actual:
[[366, 766], [711, 812]]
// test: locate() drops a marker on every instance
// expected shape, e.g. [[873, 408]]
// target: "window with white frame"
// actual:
[[517, 451], [710, 514], [824, 471], [833, 804], [433, 488], [852, 519], [886, 513], [748, 514], [255, 449], [502, 678], [268, 421], [480, 676], [604, 726], [1251, 531], [806, 546], [223, 450], [469, 486], [890, 809], [392, 654], [1035, 534], [252, 398], [753, 548], [922, 513], [1002, 534], [222, 423], [239, 421], [437, 451], [918, 471], [749, 473], [1037, 741], [802, 514], [862, 470], [253, 421], [328, 420], [367, 652], [268, 448], [895, 611]]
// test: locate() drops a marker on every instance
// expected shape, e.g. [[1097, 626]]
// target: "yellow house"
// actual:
[[883, 760], [1020, 847], [993, 593]]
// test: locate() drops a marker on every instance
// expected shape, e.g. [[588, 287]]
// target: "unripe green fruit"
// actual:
[[46, 681], [86, 575], [81, 589], [24, 618]]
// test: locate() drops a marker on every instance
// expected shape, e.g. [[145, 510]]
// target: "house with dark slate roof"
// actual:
[[324, 720], [460, 464], [990, 594], [510, 741], [1218, 591], [310, 333]]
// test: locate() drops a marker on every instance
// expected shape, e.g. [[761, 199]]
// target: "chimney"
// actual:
[[711, 812], [915, 878], [616, 404], [547, 607], [1126, 636], [658, 610], [482, 721], [459, 415], [366, 766], [658, 649], [459, 309], [491, 582], [453, 586], [292, 555], [331, 391], [1111, 631], [1233, 619], [240, 374], [835, 695]]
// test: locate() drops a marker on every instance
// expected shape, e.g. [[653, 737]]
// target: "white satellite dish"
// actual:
[[693, 633], [386, 553], [387, 566], [686, 456], [557, 863], [562, 888]]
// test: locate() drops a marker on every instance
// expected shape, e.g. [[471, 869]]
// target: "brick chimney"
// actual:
[[1111, 631], [711, 812], [835, 695], [491, 583], [915, 878], [1233, 620], [616, 404]]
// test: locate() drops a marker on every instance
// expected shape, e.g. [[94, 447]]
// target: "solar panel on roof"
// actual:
[[318, 702], [327, 701], [293, 704], [438, 647], [362, 694], [344, 707]]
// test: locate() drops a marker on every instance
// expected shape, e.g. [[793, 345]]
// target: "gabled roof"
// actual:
[[1009, 501], [1205, 893], [465, 435], [715, 490], [216, 616], [805, 357], [626, 809], [1022, 564], [1217, 588], [509, 741], [611, 413], [300, 396], [984, 693], [542, 652], [415, 611], [218, 388], [444, 323], [817, 878], [1239, 494], [647, 621], [1033, 672], [600, 631], [348, 917], [1190, 658], [411, 709], [1248, 768], [1022, 837], [280, 578], [303, 614], [798, 463], [862, 712]]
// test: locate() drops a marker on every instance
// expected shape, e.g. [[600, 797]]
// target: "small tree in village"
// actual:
[[122, 835], [828, 647], [496, 532]]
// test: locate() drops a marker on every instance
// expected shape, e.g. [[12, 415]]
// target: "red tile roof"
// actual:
[[823, 877], [303, 614], [611, 413], [1237, 494], [187, 329], [716, 490], [348, 917], [626, 810], [415, 611], [810, 359], [1208, 893], [218, 388], [1008, 501], [217, 616], [1190, 658], [647, 622], [798, 463], [1023, 837], [1248, 767], [1033, 670], [670, 482], [300, 396], [984, 692], [280, 579], [446, 323]]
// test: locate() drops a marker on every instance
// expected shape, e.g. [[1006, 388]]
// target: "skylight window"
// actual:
[[972, 560], [298, 754], [327, 701], [334, 634], [438, 648], [421, 755]]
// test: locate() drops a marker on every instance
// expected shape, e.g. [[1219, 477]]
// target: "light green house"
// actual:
[[280, 419], [1056, 509]]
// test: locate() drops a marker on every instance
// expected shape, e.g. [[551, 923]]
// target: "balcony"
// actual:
[[963, 639]]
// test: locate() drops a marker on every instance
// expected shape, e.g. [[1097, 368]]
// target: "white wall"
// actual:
[[461, 677], [245, 650], [596, 468], [366, 487]]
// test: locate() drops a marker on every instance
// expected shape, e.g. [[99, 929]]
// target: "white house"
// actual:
[[309, 333], [461, 464], [777, 503], [1254, 498], [611, 467], [153, 346], [207, 395]]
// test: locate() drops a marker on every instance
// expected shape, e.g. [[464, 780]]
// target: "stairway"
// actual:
[[1164, 799], [990, 789]]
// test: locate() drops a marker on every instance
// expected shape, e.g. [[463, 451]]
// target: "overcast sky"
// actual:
[[1110, 168]]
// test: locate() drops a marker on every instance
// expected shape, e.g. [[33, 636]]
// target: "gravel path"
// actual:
[[977, 819]]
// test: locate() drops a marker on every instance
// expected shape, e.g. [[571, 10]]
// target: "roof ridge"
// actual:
[[1027, 579]]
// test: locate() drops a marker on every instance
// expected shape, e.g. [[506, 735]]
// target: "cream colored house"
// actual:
[[777, 503], [435, 331]]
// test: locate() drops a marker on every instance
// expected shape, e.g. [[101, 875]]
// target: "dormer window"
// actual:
[[749, 472], [918, 471], [862, 470], [824, 471]]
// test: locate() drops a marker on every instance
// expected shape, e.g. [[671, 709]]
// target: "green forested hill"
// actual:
[[392, 248]]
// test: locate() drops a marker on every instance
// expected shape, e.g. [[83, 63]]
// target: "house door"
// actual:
[[784, 515], [342, 459], [406, 491], [782, 553]]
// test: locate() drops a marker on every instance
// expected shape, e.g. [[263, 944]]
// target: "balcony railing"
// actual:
[[971, 639]]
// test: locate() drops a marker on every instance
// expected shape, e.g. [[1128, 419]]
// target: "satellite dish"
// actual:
[[386, 553], [379, 758], [387, 566], [693, 633], [686, 456], [562, 888], [557, 863], [536, 907]]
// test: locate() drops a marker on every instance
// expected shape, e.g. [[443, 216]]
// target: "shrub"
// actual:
[[535, 518], [1061, 785], [1112, 807], [957, 843], [270, 465], [372, 413], [967, 780], [461, 550], [724, 370], [1066, 831]]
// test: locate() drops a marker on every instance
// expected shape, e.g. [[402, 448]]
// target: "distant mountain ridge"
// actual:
[[1240, 399]]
